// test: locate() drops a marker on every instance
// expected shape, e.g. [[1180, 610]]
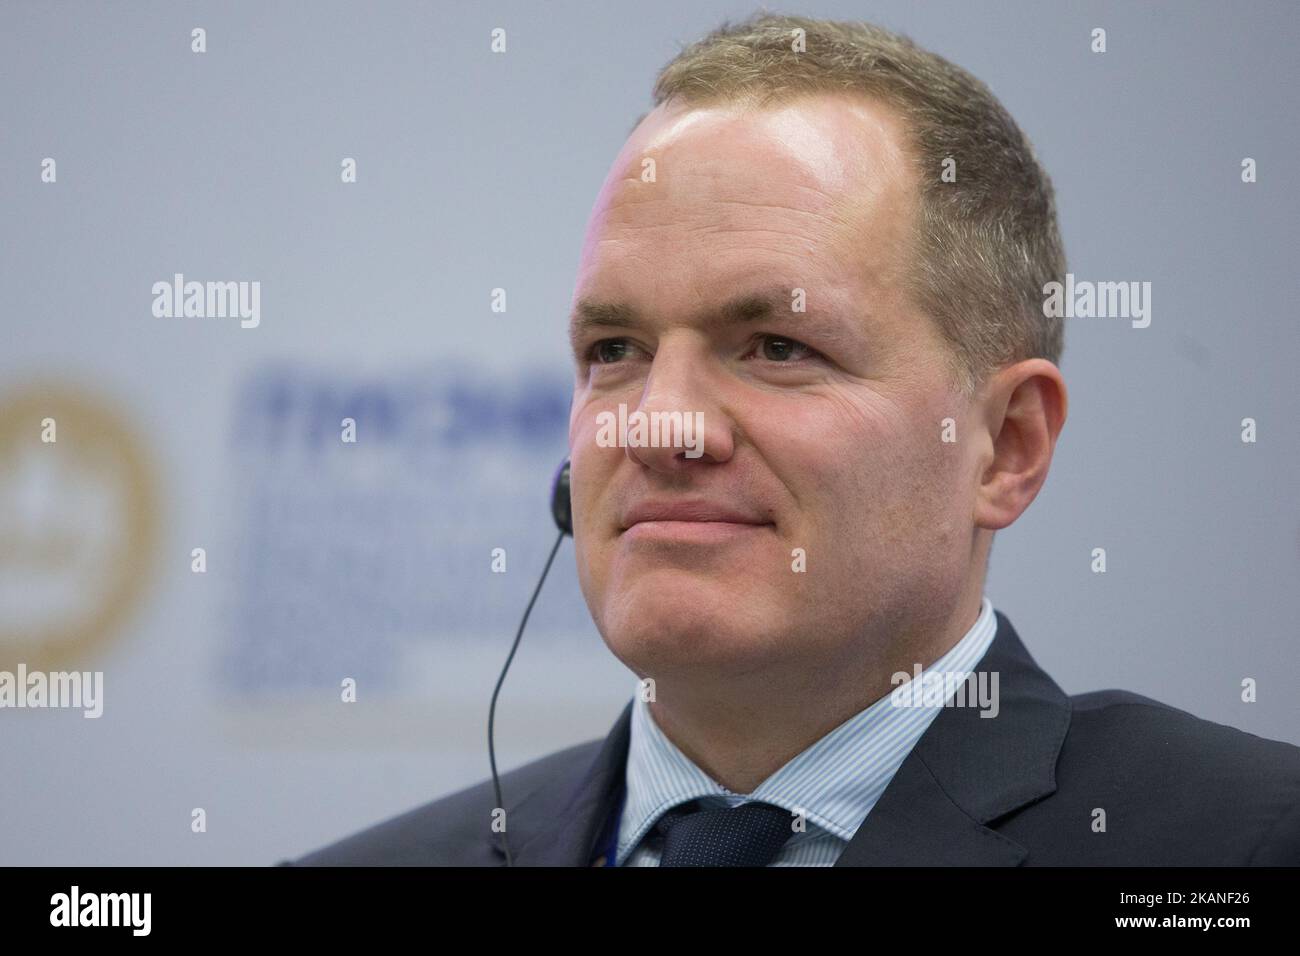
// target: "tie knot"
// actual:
[[748, 835]]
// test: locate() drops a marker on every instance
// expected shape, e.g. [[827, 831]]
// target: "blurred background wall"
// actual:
[[476, 171]]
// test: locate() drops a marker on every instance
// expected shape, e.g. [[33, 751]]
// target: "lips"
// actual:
[[689, 510]]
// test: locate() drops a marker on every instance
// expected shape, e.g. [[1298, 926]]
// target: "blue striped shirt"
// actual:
[[835, 782]]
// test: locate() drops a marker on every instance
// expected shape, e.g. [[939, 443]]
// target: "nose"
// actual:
[[683, 421]]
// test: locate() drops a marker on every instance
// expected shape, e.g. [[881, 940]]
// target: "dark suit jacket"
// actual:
[[1018, 788]]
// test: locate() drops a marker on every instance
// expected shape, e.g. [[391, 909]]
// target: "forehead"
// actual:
[[817, 190]]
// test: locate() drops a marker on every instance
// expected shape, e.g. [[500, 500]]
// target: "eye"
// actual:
[[778, 348], [609, 351]]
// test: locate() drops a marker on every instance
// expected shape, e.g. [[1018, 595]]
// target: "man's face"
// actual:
[[822, 427]]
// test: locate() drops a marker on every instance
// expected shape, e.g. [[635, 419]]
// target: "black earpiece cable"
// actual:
[[562, 513], [492, 755], [492, 710]]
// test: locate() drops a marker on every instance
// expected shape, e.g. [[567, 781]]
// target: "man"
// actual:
[[830, 247]]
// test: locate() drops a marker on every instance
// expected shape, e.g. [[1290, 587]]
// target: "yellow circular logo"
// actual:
[[78, 525]]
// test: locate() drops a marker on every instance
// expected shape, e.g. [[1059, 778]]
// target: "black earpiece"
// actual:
[[561, 504]]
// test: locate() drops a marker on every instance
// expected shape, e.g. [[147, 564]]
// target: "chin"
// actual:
[[656, 629]]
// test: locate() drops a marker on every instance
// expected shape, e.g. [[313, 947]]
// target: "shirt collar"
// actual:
[[835, 782]]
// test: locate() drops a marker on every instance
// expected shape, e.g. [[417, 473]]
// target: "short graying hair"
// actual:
[[985, 244]]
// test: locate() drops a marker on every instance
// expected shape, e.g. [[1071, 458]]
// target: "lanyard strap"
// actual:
[[610, 841]]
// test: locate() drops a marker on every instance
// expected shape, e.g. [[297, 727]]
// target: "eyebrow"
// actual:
[[764, 304]]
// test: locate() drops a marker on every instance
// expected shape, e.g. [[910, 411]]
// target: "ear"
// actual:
[[1023, 409]]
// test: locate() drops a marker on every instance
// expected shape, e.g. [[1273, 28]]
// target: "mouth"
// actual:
[[693, 520], [697, 532]]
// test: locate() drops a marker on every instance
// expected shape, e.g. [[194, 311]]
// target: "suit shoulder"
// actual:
[[453, 830], [1145, 754], [1134, 724]]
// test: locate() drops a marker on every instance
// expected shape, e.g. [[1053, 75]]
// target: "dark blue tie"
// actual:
[[748, 835]]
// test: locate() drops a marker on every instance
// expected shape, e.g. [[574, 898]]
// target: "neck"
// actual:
[[741, 731]]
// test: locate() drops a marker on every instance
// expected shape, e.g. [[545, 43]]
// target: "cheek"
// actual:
[[837, 451], [582, 419], [575, 407], [590, 464], [865, 472], [590, 477]]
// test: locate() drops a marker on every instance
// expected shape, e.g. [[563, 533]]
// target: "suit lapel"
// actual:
[[967, 770], [559, 823]]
